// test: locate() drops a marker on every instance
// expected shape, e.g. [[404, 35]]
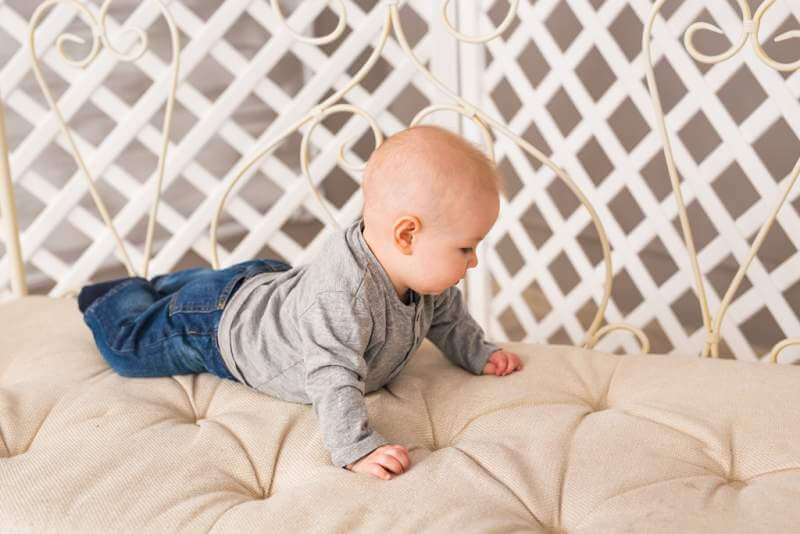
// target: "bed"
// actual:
[[582, 440]]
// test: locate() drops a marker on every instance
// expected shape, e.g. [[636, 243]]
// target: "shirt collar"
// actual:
[[356, 235]]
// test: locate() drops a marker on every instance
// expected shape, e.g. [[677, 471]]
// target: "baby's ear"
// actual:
[[405, 233]]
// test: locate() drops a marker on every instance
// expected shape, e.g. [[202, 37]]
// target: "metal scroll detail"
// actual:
[[391, 21], [461, 106], [750, 29], [100, 37]]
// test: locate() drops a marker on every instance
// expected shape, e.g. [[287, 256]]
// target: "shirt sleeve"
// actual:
[[337, 330], [457, 334]]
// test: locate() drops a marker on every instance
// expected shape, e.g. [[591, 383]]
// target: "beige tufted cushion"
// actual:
[[580, 441]]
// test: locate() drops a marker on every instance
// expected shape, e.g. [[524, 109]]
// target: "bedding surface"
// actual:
[[579, 441]]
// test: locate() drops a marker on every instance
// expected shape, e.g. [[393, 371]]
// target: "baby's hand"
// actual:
[[382, 462], [501, 363]]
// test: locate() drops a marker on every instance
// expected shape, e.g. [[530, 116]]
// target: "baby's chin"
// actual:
[[434, 292]]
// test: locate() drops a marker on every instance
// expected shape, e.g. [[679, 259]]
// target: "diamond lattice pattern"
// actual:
[[570, 75], [567, 75], [243, 80]]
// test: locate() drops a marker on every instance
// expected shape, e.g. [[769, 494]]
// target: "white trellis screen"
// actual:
[[243, 79], [568, 76]]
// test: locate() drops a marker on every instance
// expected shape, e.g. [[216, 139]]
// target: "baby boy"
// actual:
[[328, 332]]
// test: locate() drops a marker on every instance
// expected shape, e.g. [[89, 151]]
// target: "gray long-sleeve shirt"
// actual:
[[328, 332]]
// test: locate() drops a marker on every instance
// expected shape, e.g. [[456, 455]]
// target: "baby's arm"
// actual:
[[338, 399], [457, 334], [461, 339], [336, 332], [337, 395]]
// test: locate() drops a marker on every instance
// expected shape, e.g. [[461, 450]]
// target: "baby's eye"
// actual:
[[466, 250]]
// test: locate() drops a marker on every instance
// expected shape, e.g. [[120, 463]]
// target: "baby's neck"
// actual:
[[403, 293]]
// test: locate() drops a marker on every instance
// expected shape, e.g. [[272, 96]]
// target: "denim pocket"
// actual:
[[209, 290]]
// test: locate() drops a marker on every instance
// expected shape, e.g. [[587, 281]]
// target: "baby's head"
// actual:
[[429, 198]]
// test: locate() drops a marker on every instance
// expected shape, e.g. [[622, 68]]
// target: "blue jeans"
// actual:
[[168, 325]]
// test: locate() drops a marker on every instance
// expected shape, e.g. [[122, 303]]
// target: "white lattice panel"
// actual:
[[570, 76], [231, 99], [567, 75]]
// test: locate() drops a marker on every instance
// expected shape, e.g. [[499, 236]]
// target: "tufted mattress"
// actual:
[[579, 441]]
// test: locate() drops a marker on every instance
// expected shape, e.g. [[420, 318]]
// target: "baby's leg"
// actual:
[[136, 335], [167, 284], [164, 284], [93, 292], [170, 283], [168, 326]]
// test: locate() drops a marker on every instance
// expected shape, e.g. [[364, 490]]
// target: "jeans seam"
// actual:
[[190, 309], [161, 340], [228, 289]]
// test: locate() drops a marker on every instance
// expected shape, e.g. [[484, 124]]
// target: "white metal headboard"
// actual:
[[134, 46], [750, 30]]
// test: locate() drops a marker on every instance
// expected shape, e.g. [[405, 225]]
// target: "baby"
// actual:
[[328, 332]]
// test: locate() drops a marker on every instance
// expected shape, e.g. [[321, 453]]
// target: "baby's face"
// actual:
[[445, 251]]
